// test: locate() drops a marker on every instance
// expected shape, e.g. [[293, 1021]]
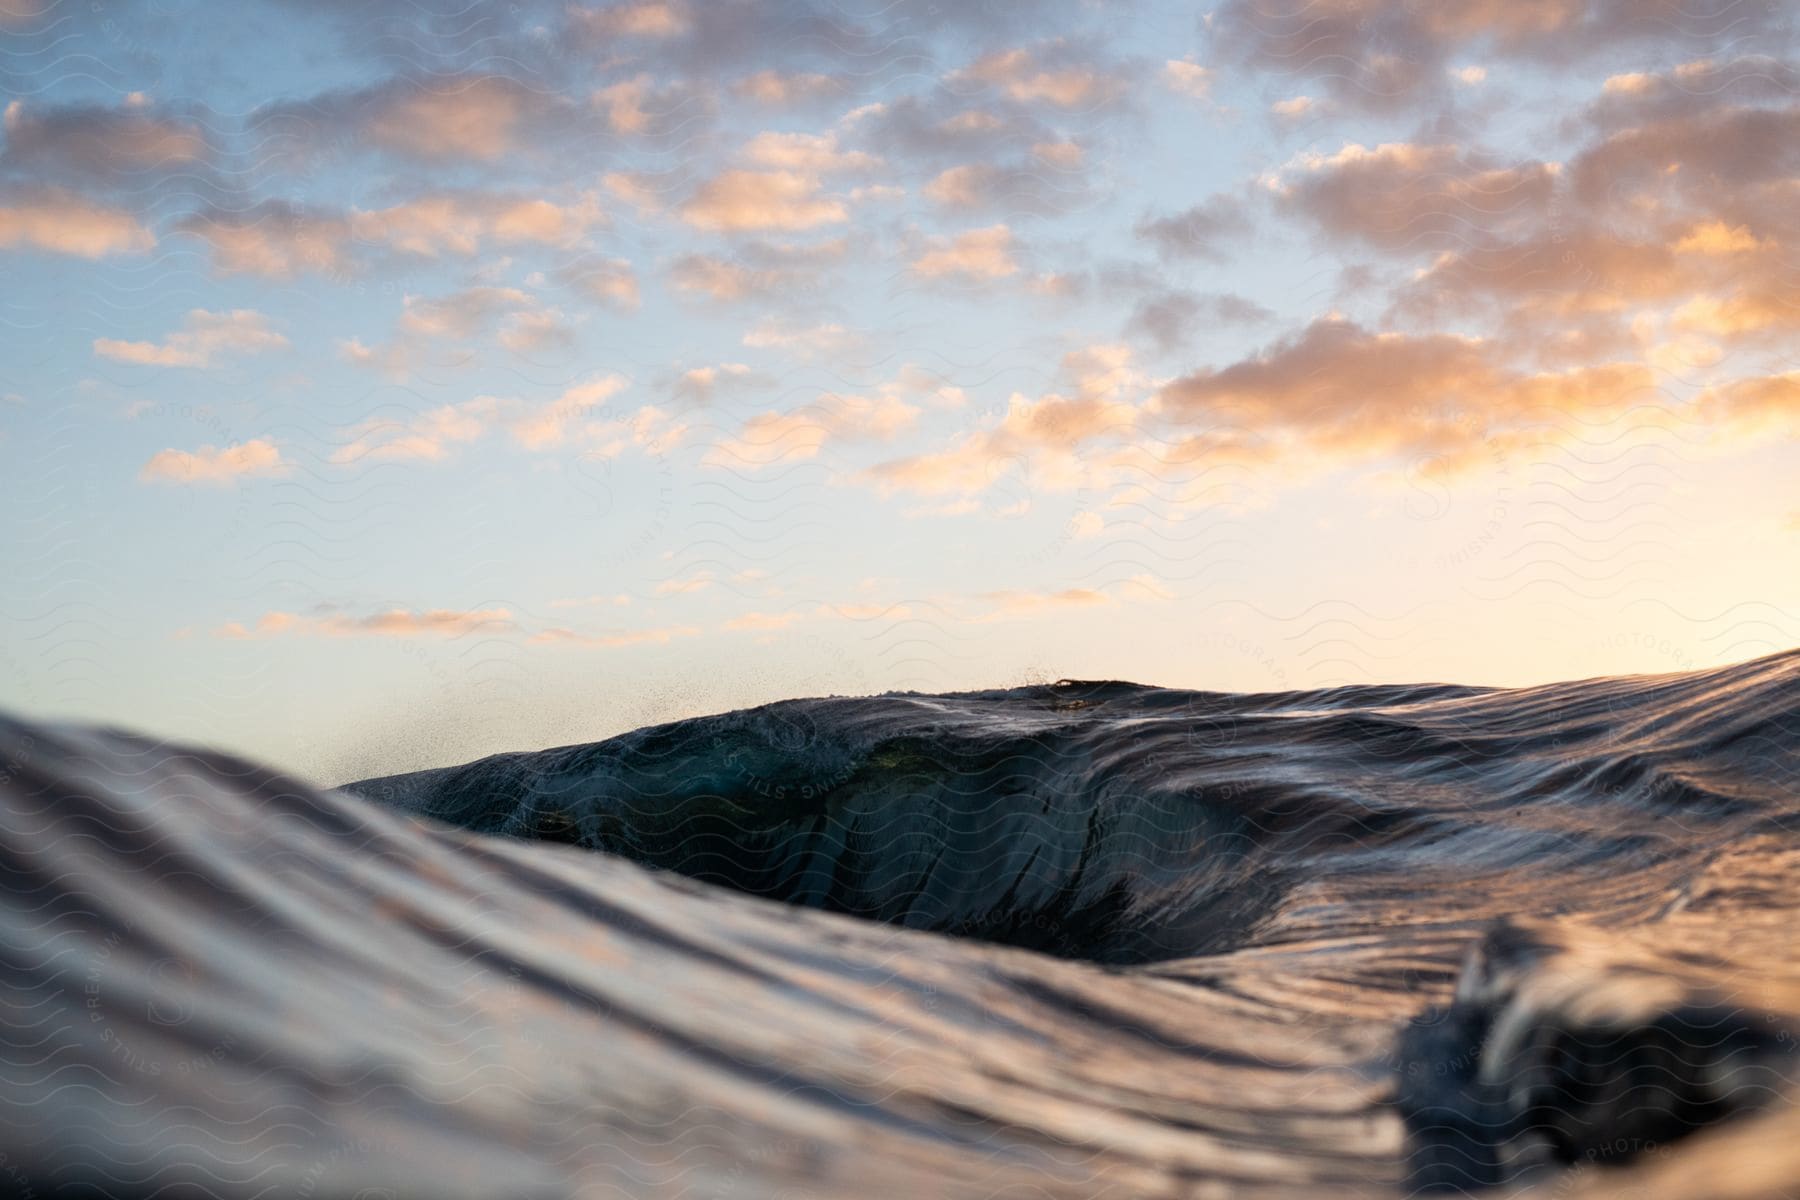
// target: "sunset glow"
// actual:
[[386, 384]]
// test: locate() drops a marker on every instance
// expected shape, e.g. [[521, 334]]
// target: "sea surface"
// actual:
[[1077, 940]]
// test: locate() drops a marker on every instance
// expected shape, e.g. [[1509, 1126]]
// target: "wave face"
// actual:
[[1092, 939]]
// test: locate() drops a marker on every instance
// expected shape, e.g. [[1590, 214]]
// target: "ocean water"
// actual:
[[1087, 939]]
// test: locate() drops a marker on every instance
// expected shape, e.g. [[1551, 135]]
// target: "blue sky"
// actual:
[[389, 384]]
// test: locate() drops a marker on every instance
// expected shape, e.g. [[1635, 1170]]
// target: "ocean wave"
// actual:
[[1084, 939]]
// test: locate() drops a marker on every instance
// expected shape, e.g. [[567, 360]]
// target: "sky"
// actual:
[[388, 383]]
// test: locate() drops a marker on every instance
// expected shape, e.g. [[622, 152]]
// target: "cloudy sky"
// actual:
[[387, 383]]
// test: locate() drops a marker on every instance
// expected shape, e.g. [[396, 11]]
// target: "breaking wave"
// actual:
[[1076, 940]]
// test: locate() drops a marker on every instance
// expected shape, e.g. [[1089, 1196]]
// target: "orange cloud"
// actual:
[[273, 239], [739, 200], [1345, 393], [806, 152], [551, 425], [1717, 238], [800, 433], [802, 341], [1400, 196], [461, 314], [977, 254], [214, 464], [1041, 436], [203, 338], [63, 222], [1188, 78], [646, 19], [398, 622], [775, 88], [427, 435], [1019, 604], [635, 188], [650, 429], [1027, 77], [1768, 403], [459, 319], [1373, 54], [756, 269], [476, 117], [608, 281], [458, 223]]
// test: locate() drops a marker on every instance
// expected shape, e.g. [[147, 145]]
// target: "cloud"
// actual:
[[778, 90], [943, 129], [459, 320], [720, 278], [1050, 74], [640, 108], [642, 190], [1188, 78], [650, 430], [929, 387], [202, 340], [698, 385], [610, 282], [1559, 272], [552, 424], [279, 240], [801, 433], [273, 238], [738, 200], [1376, 55], [433, 434], [475, 118], [434, 119], [653, 19], [802, 341], [975, 254], [1768, 404], [534, 331], [1050, 183], [1718, 238], [1728, 155], [700, 581], [1402, 198], [1171, 318], [1040, 436], [64, 222], [393, 623], [426, 436], [1341, 393], [460, 315], [87, 142], [460, 222], [1203, 231], [1022, 604], [449, 624], [214, 464], [1677, 209], [812, 153]]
